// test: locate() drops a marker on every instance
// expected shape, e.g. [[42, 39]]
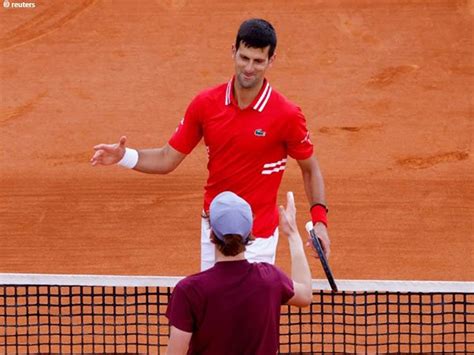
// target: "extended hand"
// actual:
[[288, 216], [108, 154]]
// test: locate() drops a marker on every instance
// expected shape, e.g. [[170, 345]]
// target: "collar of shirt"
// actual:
[[260, 100], [232, 264]]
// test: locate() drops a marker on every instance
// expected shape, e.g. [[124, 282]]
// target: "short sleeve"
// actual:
[[298, 140], [189, 131], [287, 290], [179, 311]]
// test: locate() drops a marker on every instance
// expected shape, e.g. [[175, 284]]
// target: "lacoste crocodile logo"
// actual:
[[260, 132]]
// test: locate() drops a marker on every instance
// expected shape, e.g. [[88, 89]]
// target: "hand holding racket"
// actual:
[[322, 257]]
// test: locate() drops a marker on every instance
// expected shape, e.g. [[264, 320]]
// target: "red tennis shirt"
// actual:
[[247, 148]]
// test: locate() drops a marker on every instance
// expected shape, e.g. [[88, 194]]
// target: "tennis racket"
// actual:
[[322, 257]]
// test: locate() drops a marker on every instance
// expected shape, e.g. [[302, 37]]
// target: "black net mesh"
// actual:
[[97, 319]]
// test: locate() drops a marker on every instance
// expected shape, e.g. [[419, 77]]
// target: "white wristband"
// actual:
[[130, 158]]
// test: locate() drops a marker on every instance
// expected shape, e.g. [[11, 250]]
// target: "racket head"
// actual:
[[322, 257]]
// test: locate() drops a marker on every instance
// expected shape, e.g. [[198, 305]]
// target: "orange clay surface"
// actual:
[[386, 87]]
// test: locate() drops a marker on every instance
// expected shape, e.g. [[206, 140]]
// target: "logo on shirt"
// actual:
[[260, 132], [180, 124], [306, 139]]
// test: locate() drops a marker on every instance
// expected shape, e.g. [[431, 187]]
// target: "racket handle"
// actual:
[[322, 258]]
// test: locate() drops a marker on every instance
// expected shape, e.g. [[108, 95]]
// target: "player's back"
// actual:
[[236, 308]]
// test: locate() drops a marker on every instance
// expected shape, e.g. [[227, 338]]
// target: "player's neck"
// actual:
[[245, 96], [221, 257]]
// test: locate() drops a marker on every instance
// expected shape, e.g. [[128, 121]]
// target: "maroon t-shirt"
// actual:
[[232, 308]]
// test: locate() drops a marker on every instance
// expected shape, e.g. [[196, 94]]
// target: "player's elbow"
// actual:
[[171, 165], [303, 295], [301, 301], [170, 158], [167, 169], [307, 298]]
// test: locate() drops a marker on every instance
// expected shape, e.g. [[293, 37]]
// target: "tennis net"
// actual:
[[120, 314]]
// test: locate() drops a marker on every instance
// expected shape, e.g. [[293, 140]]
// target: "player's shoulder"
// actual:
[[192, 283], [268, 271], [283, 103], [212, 93], [190, 279], [197, 278]]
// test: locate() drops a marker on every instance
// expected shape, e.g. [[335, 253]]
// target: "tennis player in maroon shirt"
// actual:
[[249, 130], [234, 307]]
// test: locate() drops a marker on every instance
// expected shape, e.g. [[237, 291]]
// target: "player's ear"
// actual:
[[271, 60], [234, 50]]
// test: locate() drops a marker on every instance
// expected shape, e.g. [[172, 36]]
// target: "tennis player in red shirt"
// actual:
[[249, 130], [234, 307]]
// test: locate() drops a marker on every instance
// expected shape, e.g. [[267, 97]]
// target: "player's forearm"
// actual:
[[300, 271], [314, 183], [157, 160]]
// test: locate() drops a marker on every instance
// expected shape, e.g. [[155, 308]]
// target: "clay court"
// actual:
[[386, 87]]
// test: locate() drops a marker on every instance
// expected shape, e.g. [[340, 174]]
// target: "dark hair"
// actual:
[[232, 244], [257, 33]]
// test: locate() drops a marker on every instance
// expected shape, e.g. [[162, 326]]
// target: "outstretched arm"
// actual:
[[300, 272], [152, 161], [314, 187]]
